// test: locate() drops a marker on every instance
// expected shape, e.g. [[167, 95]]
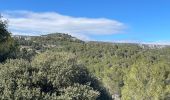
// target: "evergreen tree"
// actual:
[[7, 44]]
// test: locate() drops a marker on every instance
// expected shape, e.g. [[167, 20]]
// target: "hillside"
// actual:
[[129, 71]]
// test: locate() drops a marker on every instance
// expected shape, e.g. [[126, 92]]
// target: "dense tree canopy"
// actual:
[[127, 71]]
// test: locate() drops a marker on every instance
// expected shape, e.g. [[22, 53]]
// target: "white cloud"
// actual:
[[33, 23]]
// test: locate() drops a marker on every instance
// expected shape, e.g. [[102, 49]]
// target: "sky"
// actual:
[[101, 20]]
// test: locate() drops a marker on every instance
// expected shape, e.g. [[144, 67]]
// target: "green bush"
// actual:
[[50, 75]]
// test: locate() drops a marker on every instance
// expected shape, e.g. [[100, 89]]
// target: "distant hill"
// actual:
[[43, 42], [51, 37]]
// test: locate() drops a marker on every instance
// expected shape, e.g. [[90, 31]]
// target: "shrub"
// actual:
[[50, 75]]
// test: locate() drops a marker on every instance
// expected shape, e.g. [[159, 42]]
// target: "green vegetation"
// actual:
[[49, 76], [60, 67], [7, 44]]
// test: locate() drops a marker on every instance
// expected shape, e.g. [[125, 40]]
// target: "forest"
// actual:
[[58, 66]]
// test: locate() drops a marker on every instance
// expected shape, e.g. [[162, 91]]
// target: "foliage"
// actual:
[[50, 75], [8, 47], [74, 69]]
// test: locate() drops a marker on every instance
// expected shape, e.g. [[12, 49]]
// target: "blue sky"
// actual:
[[132, 20]]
